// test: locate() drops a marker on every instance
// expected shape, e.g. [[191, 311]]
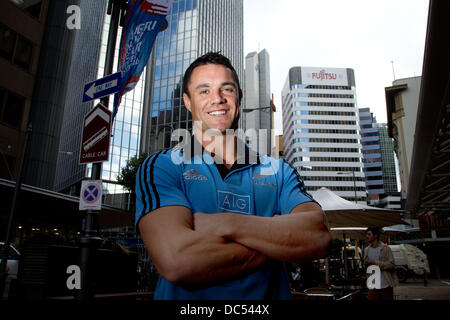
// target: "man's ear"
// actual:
[[187, 101]]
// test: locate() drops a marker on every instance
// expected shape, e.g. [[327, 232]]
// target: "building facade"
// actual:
[[83, 69], [22, 29], [320, 129], [402, 100], [387, 159], [371, 150], [257, 113]]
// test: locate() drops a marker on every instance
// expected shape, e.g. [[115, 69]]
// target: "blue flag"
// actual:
[[143, 20]]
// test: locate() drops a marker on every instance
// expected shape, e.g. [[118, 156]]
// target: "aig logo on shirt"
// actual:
[[233, 202]]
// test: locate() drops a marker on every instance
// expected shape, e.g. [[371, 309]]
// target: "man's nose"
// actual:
[[217, 97]]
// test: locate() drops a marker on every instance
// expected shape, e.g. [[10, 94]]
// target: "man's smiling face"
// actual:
[[213, 97]]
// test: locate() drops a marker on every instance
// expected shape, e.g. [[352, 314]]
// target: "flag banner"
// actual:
[[143, 20]]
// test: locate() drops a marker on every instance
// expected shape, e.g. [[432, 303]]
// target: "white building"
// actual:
[[320, 128], [402, 101]]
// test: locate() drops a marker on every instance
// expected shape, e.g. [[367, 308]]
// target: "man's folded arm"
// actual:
[[301, 235], [187, 257]]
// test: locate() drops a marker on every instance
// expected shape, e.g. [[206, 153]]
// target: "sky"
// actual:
[[377, 39]]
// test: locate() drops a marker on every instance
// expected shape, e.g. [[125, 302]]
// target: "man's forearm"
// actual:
[[185, 256], [215, 260], [297, 237]]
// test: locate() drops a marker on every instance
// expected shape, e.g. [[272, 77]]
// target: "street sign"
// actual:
[[91, 195], [96, 135], [101, 87]]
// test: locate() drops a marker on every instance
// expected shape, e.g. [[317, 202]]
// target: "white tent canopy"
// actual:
[[342, 213]]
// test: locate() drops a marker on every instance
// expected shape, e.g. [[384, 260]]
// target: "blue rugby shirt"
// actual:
[[264, 187]]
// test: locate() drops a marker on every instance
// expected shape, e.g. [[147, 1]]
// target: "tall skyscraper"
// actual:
[[373, 166], [388, 159], [83, 68], [378, 157], [320, 128], [258, 95]]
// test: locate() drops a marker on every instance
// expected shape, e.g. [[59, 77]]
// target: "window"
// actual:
[[7, 40], [22, 54], [24, 50], [32, 7], [11, 108]]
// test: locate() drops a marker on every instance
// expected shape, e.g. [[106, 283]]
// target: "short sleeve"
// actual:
[[293, 190], [158, 184]]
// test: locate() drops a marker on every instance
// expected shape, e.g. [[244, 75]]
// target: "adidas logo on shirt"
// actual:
[[194, 175]]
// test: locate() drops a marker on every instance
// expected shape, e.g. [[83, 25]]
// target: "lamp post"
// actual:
[[354, 181]]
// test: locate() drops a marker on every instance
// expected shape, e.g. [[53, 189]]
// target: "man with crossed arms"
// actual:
[[219, 225]]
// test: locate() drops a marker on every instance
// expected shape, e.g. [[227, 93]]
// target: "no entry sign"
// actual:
[[91, 195]]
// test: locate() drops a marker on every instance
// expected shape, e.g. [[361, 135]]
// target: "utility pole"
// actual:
[[90, 240], [5, 251]]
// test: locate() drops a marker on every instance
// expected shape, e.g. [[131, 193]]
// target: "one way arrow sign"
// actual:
[[101, 87]]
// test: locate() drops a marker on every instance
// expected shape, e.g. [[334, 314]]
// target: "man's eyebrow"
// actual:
[[208, 85], [229, 83], [203, 85]]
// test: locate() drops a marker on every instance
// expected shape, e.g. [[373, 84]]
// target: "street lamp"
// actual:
[[354, 181]]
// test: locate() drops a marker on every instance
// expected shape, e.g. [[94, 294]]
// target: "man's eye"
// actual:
[[204, 91], [229, 89]]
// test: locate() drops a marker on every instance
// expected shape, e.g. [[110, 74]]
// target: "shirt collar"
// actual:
[[245, 158]]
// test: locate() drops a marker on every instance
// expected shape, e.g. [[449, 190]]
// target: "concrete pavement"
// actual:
[[415, 289]]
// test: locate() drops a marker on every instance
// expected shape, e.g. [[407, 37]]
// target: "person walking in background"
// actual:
[[379, 254]]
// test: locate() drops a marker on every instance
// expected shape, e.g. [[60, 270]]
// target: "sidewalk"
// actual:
[[414, 289]]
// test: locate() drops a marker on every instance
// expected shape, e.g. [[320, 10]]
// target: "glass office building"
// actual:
[[83, 68], [370, 141]]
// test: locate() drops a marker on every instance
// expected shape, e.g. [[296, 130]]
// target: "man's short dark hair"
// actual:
[[375, 231], [211, 58]]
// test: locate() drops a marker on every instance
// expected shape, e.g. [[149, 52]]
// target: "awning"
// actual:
[[344, 213]]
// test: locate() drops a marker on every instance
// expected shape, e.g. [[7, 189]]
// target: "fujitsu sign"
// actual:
[[324, 75]]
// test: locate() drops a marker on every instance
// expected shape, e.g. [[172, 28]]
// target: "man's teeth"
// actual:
[[217, 113]]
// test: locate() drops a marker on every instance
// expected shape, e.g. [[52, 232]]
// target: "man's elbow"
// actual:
[[323, 243], [178, 272], [317, 248]]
